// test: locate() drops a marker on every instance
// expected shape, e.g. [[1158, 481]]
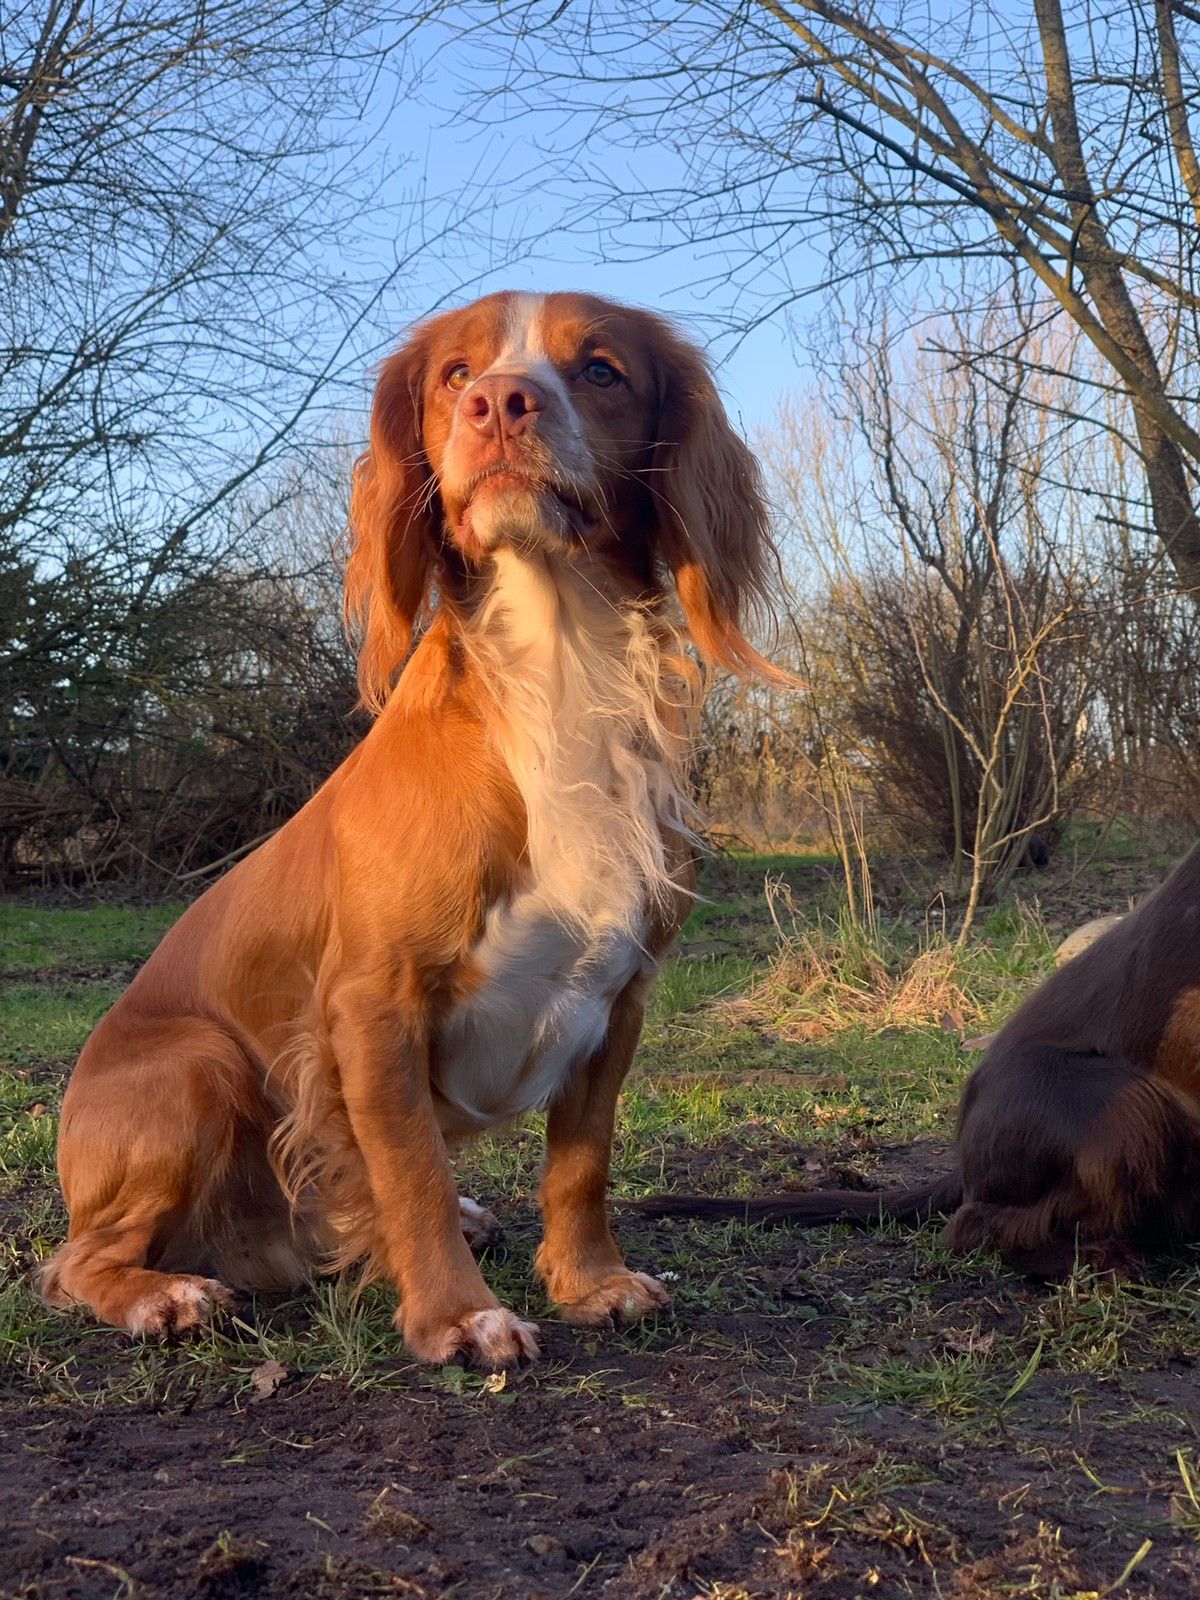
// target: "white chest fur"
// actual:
[[578, 694], [543, 1006]]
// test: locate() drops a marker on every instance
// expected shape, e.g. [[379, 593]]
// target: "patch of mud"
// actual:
[[715, 1449]]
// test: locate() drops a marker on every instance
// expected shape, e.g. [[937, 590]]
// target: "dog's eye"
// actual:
[[459, 376], [602, 373]]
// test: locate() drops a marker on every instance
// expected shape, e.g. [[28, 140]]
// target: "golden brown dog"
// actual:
[[463, 922]]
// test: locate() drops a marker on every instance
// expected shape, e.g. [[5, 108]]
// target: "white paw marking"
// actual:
[[498, 1338], [493, 1339]]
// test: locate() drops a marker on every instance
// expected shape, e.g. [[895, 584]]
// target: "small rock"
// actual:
[[543, 1545], [1079, 941]]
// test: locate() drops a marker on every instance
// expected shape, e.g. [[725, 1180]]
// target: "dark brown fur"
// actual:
[[1079, 1131]]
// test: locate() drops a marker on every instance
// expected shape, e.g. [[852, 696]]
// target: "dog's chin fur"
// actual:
[[518, 518]]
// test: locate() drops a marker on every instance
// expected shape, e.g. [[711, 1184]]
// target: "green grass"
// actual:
[[709, 1079], [910, 1354], [32, 937], [685, 986], [702, 1075], [42, 1022]]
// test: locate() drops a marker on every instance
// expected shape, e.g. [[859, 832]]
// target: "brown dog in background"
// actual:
[[463, 923], [1079, 1131]]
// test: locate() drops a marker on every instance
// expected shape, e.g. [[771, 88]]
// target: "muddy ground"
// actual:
[[676, 1462], [832, 1415]]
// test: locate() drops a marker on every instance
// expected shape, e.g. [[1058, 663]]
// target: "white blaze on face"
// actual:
[[523, 354], [509, 511], [524, 334]]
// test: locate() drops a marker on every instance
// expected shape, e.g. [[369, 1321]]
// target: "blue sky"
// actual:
[[429, 139]]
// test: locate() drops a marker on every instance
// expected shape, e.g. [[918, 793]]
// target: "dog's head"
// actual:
[[563, 423]]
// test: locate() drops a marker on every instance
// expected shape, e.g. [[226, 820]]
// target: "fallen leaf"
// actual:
[[267, 1380], [802, 1032], [968, 1343], [982, 1041]]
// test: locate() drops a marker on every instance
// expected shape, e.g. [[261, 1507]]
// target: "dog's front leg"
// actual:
[[447, 1312], [579, 1260]]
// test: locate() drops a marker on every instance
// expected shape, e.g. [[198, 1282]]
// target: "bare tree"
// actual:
[[900, 139], [955, 633], [196, 269], [182, 195]]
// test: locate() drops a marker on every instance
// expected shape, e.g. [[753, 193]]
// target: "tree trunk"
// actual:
[[1172, 505]]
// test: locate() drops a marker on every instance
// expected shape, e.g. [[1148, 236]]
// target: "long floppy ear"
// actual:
[[393, 528], [714, 528]]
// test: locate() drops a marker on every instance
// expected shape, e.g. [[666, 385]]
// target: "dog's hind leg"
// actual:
[[159, 1123], [101, 1269]]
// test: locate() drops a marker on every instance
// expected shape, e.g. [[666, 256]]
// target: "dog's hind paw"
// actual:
[[181, 1304], [479, 1227]]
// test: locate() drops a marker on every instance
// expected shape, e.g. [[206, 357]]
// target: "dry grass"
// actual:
[[829, 981]]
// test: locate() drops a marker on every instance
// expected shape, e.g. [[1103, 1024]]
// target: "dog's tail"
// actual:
[[811, 1209]]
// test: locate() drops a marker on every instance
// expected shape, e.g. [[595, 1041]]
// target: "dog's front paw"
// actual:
[[492, 1341], [619, 1299]]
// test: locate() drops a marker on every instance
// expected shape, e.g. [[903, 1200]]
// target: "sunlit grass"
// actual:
[[49, 1022], [716, 1082]]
